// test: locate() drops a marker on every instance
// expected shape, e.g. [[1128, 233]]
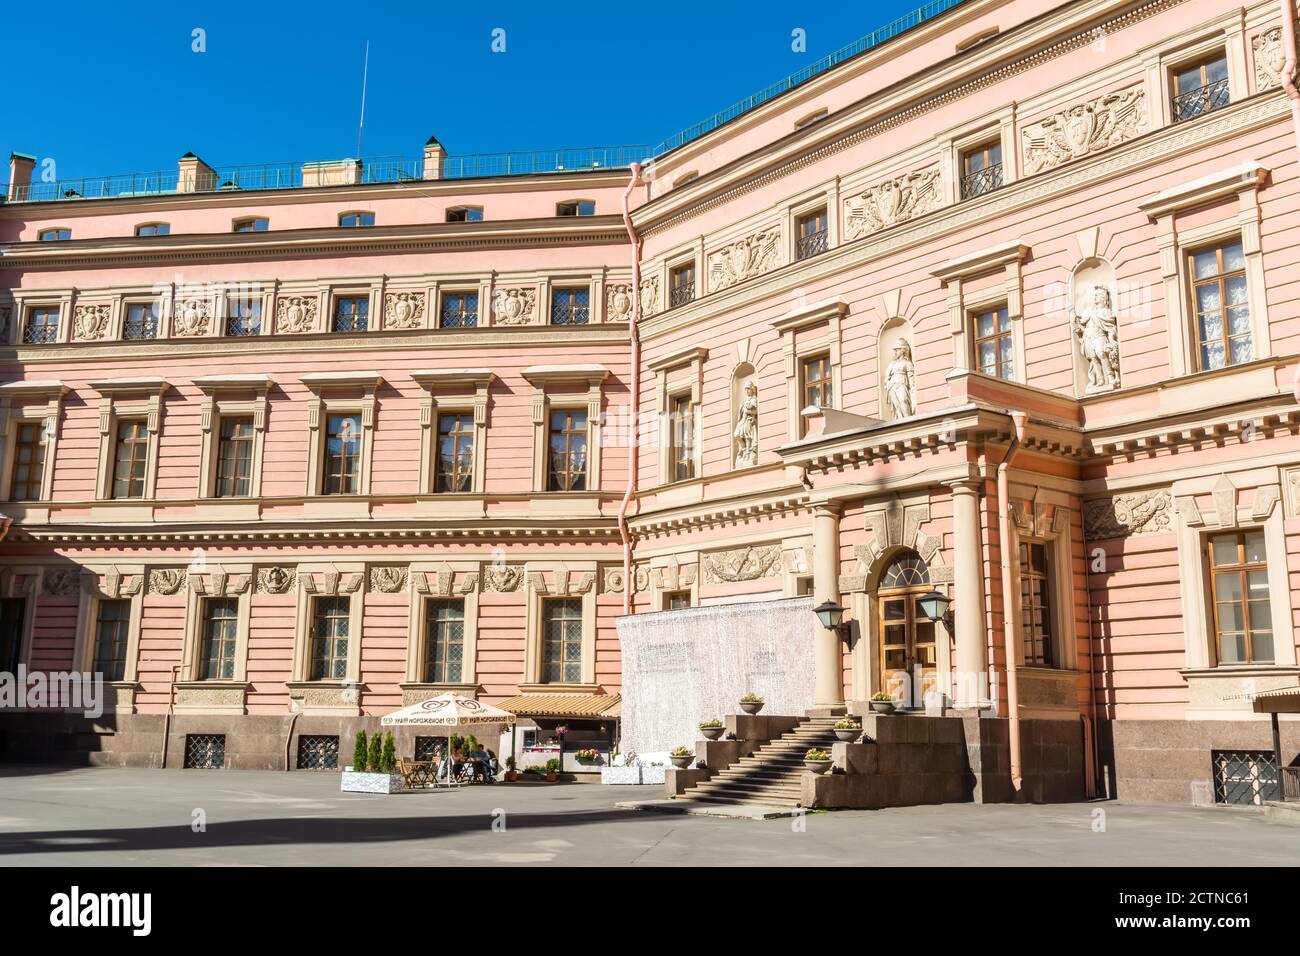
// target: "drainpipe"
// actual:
[[1008, 626], [167, 721], [288, 738], [635, 391], [1289, 65]]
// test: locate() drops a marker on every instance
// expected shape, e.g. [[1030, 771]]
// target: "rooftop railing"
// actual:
[[382, 169], [871, 40]]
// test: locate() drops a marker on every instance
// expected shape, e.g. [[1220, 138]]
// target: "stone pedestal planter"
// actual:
[[817, 766], [354, 782], [848, 733], [712, 733], [620, 776], [682, 762], [882, 706], [751, 706]]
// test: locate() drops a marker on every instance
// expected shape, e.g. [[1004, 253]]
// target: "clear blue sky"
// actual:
[[115, 88]]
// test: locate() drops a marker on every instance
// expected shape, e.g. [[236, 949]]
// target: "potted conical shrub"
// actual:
[[374, 765]]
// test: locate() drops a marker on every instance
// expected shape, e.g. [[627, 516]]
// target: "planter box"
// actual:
[[653, 775], [620, 775], [354, 782]]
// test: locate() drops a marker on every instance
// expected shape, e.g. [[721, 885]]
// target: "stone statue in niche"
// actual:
[[746, 430], [900, 382], [1098, 334]]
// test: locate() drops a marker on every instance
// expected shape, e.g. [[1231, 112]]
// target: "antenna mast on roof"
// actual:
[[365, 73]]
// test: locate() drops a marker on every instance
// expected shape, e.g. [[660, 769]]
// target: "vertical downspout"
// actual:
[[1008, 627], [167, 721], [634, 400], [1289, 65]]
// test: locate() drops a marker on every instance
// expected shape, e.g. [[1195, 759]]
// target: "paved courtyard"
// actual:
[[101, 816]]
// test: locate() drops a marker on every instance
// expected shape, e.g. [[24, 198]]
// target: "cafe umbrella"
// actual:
[[452, 714]]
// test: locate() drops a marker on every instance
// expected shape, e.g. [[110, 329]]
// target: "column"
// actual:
[[828, 654], [968, 595]]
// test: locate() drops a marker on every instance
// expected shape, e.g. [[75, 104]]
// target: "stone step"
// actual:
[[742, 798]]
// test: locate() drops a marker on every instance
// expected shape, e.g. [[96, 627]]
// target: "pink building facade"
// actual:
[[1006, 308]]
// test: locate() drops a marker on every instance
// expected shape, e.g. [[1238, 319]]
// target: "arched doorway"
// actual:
[[908, 652]]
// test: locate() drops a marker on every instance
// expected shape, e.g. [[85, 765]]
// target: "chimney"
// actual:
[[21, 167], [194, 175], [434, 155]]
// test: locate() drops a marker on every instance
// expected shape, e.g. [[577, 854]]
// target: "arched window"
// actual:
[[153, 229], [352, 220], [908, 570], [251, 224], [54, 234]]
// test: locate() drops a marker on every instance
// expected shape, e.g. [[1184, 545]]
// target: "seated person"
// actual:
[[482, 764]]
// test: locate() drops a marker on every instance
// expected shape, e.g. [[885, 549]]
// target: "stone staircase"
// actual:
[[773, 775]]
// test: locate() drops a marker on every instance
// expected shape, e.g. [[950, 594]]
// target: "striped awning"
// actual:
[[573, 706], [1281, 700]]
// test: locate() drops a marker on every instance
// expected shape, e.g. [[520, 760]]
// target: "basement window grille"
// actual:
[[1245, 777], [318, 752], [205, 751]]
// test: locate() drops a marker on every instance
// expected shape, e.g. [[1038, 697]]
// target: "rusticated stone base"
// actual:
[[1169, 761]]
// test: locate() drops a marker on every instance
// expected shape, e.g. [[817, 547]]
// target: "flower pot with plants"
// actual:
[[818, 761], [588, 756], [553, 769], [712, 729], [682, 757], [848, 728], [882, 703], [751, 703], [374, 766], [511, 773]]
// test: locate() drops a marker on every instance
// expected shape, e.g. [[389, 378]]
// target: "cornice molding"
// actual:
[[984, 260], [1206, 189]]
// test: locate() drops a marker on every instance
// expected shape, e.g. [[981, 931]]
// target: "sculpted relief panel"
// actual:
[[403, 310], [295, 313], [742, 564], [90, 322], [1143, 512], [1086, 128], [514, 306], [744, 259], [1269, 59], [891, 202]]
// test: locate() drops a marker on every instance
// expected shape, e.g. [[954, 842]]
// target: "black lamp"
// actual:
[[829, 614], [935, 606]]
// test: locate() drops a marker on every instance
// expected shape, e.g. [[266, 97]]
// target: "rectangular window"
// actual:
[[465, 214], [816, 384], [444, 641], [568, 451], [676, 600], [244, 315], [58, 234], [352, 313], [130, 458], [331, 620], [459, 310], [42, 326], [681, 285], [318, 752], [571, 306], [1036, 604], [110, 638], [1200, 88], [141, 321], [29, 462], [1243, 614], [994, 345], [342, 455], [812, 234], [1220, 298], [981, 170], [352, 220], [253, 224], [562, 641], [681, 424], [235, 458], [217, 648], [151, 229], [454, 467]]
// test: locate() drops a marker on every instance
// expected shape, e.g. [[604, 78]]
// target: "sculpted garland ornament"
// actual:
[[295, 313], [403, 310], [166, 580], [387, 580], [744, 259], [891, 202], [275, 580], [742, 564], [1144, 512], [90, 322], [1098, 124]]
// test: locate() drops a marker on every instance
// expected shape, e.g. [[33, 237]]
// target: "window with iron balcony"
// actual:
[[459, 310], [571, 306], [812, 234], [42, 326], [681, 285], [981, 170], [351, 313], [244, 316], [141, 321], [1200, 88]]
